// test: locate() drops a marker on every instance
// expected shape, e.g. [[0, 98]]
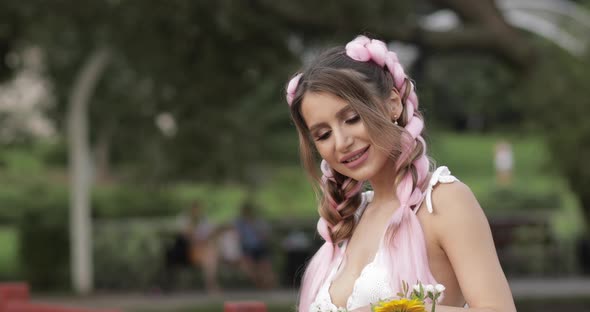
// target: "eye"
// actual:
[[353, 119], [322, 136]]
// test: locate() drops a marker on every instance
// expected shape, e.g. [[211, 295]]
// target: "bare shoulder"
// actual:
[[456, 208], [452, 198], [459, 226]]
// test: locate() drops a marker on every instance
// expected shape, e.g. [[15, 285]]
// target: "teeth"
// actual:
[[355, 158]]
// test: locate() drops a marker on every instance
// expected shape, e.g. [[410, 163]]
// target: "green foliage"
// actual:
[[128, 254], [521, 200], [29, 159], [127, 201], [20, 162], [9, 264], [220, 202], [480, 98], [134, 222], [282, 191], [288, 194], [558, 95], [44, 239]]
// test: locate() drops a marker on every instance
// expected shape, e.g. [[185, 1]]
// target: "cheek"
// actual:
[[364, 133], [323, 149]]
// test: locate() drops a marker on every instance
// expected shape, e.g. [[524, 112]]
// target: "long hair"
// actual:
[[366, 86]]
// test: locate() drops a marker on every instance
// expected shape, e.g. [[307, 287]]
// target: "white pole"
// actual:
[[80, 171]]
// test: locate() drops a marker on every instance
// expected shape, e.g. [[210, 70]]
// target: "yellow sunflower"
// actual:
[[400, 305]]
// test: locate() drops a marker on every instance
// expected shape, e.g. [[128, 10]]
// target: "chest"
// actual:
[[361, 261], [360, 274]]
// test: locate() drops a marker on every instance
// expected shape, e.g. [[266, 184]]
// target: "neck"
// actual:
[[383, 185]]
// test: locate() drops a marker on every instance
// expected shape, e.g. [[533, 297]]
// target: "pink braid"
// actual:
[[415, 126], [318, 267], [327, 171], [328, 175], [363, 49], [405, 232], [413, 98], [292, 88], [357, 188]]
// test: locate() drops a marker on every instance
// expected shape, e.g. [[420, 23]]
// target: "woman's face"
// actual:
[[340, 136]]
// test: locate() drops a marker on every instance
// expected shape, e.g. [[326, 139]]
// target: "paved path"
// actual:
[[521, 288], [550, 288]]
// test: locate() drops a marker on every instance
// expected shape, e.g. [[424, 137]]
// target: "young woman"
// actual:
[[355, 108]]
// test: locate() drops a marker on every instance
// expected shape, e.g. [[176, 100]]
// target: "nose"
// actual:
[[343, 139]]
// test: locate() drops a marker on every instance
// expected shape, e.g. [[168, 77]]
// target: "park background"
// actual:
[[118, 114]]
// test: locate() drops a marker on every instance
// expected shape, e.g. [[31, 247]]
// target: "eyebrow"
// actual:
[[340, 115]]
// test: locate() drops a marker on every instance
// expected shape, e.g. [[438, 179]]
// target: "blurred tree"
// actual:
[[482, 98], [483, 28], [210, 66], [559, 100], [216, 68], [10, 26]]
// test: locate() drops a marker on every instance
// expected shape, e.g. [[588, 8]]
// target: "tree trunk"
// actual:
[[80, 170]]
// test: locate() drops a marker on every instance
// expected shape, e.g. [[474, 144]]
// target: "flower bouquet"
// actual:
[[413, 301]]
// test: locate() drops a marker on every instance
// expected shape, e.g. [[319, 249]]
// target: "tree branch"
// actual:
[[485, 29], [504, 40]]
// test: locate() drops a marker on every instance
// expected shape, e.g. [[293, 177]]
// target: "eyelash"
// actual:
[[354, 119], [322, 137]]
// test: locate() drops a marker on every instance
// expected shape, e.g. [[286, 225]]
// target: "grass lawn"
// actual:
[[470, 157]]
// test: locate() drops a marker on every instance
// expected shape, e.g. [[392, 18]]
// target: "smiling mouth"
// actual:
[[357, 156]]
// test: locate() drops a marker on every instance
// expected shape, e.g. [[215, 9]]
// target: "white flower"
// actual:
[[417, 288], [439, 288], [429, 288]]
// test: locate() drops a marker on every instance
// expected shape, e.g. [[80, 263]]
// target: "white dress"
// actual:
[[373, 283]]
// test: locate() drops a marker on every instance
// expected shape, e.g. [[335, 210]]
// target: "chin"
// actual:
[[361, 175]]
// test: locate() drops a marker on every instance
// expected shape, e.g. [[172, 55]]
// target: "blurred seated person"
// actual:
[[201, 235], [254, 236], [211, 244], [202, 244]]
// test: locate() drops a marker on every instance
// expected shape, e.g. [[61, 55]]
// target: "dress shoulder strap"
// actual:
[[442, 174], [366, 198]]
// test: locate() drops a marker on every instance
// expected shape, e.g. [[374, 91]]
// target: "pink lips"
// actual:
[[357, 162]]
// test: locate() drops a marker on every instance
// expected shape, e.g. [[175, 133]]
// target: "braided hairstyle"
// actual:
[[363, 74]]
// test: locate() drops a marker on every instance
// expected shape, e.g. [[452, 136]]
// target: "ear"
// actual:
[[395, 104]]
